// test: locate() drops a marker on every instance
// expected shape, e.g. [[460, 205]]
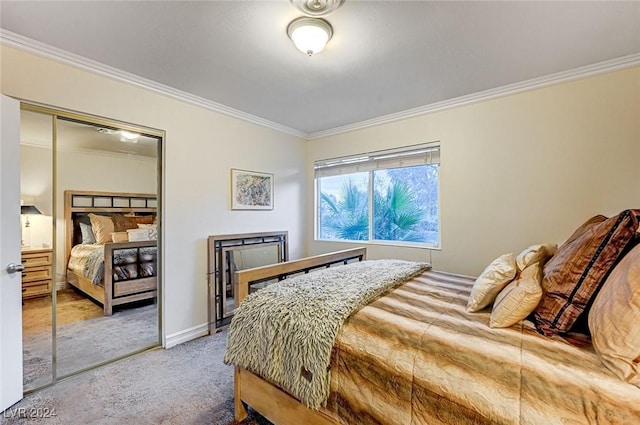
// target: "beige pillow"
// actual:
[[518, 299], [496, 276], [536, 254], [152, 229], [138, 235], [614, 319], [102, 227], [120, 237]]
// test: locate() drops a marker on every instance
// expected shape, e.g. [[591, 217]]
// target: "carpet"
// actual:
[[89, 342], [188, 385]]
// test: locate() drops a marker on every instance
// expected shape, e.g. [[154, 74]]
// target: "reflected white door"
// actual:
[[10, 283]]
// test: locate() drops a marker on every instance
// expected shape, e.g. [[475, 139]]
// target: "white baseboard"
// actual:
[[186, 335]]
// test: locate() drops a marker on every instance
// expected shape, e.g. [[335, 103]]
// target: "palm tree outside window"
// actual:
[[386, 196]]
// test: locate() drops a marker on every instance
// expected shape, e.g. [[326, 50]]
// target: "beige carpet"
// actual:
[[187, 384], [85, 336]]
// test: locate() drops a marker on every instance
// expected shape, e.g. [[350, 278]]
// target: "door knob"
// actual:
[[14, 268]]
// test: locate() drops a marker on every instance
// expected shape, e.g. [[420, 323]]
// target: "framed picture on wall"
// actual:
[[251, 190]]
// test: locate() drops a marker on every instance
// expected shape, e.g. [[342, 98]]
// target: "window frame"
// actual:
[[351, 169]]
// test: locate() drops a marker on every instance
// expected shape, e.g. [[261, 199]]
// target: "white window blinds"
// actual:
[[393, 158]]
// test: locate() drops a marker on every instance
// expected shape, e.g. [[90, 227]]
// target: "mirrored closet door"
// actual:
[[36, 187], [102, 240]]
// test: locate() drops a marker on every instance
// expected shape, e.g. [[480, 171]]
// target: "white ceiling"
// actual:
[[36, 129], [385, 56]]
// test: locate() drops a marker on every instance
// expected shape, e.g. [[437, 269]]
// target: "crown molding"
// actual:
[[20, 42], [534, 83], [26, 44]]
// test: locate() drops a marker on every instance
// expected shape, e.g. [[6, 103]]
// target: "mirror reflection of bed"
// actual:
[[110, 305], [111, 246], [112, 272]]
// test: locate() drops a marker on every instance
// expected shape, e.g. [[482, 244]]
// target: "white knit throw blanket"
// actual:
[[285, 332]]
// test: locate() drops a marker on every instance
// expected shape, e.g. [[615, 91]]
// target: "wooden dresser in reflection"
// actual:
[[37, 274]]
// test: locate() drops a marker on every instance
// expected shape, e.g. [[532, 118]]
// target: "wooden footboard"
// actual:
[[245, 278], [126, 291], [112, 293], [273, 403], [270, 401]]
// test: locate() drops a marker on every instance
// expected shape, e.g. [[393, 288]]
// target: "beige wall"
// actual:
[[516, 170], [201, 146]]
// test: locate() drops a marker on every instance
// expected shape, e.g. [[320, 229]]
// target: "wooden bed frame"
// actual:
[[433, 366], [267, 399], [110, 293]]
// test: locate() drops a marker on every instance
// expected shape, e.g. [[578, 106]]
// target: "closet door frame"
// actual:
[[85, 118]]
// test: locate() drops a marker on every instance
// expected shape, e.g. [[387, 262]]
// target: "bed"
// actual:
[[416, 355], [111, 246]]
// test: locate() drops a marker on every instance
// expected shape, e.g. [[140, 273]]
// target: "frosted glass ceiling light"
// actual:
[[310, 35]]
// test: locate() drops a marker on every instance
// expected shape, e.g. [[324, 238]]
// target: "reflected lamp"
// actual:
[[29, 210]]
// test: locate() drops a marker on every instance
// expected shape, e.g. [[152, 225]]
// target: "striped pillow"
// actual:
[[575, 274]]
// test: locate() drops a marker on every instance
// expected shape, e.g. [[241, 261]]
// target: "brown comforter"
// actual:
[[416, 356]]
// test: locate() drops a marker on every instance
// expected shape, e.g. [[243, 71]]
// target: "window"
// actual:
[[386, 196]]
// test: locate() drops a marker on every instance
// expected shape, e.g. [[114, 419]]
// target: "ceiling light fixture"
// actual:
[[310, 35], [317, 7], [127, 136]]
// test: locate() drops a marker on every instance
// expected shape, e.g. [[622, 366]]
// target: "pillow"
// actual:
[[536, 254], [138, 235], [102, 227], [122, 223], [573, 276], [496, 276], [145, 219], [614, 319], [87, 234], [584, 227], [120, 237], [152, 229], [518, 299]]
